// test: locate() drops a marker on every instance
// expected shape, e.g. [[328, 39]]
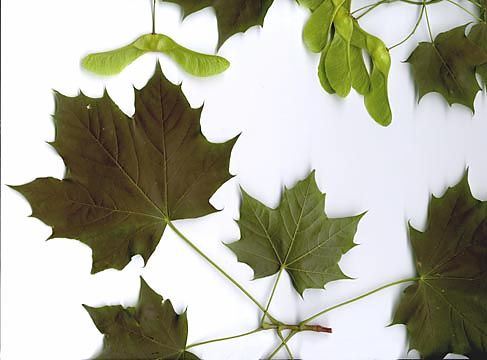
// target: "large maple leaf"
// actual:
[[297, 237], [151, 330], [128, 176], [446, 310], [447, 66], [233, 16]]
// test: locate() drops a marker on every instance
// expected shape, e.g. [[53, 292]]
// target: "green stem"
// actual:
[[272, 295], [304, 322], [420, 2], [464, 9], [428, 22], [413, 31], [372, 8], [283, 343], [154, 17], [217, 267], [374, 5], [475, 3], [225, 338]]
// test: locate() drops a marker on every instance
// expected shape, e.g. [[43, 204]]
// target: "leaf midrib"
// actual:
[[298, 222]]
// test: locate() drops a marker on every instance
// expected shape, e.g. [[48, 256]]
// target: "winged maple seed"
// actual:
[[128, 176]]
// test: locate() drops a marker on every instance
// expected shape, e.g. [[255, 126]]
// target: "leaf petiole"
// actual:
[[154, 17], [428, 22], [217, 267], [225, 338], [311, 318], [412, 31], [283, 343], [372, 8], [466, 10], [272, 295]]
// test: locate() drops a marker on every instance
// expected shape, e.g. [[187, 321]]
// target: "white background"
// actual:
[[289, 125]]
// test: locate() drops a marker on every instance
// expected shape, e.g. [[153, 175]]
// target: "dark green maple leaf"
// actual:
[[297, 237], [478, 35], [446, 310], [127, 177], [151, 330], [233, 16], [447, 66]]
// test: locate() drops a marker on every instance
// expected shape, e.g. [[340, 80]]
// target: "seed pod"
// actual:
[[316, 32], [325, 83], [113, 62], [337, 61], [360, 76]]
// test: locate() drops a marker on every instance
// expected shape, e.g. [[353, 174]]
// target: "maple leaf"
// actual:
[[151, 330], [445, 311], [297, 237], [447, 66], [478, 35], [128, 176], [233, 16]]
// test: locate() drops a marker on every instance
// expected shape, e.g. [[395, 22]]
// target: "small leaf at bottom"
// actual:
[[151, 330]]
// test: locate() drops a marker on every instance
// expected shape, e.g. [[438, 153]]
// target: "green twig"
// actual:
[[297, 328], [225, 338], [217, 267], [311, 318]]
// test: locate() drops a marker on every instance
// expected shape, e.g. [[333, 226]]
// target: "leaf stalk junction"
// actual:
[[273, 323]]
